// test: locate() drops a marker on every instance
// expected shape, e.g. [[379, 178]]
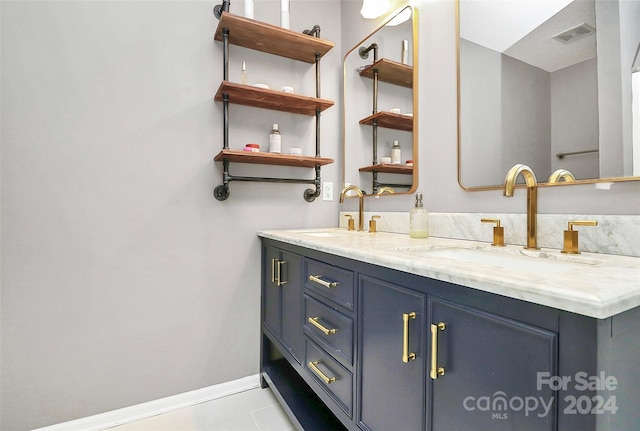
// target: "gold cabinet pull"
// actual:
[[320, 281], [406, 356], [435, 370], [273, 270], [326, 331], [314, 366], [280, 281]]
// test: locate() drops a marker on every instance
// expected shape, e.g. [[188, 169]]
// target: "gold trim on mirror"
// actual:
[[415, 93], [500, 186]]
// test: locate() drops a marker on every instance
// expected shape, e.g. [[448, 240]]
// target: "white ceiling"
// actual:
[[524, 29]]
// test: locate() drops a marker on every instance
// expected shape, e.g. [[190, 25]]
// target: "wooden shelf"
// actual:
[[263, 158], [391, 72], [271, 39], [390, 120], [389, 169], [248, 95]]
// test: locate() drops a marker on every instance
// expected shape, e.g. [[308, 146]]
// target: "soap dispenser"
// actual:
[[419, 220]]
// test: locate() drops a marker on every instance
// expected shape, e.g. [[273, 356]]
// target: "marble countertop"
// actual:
[[591, 284]]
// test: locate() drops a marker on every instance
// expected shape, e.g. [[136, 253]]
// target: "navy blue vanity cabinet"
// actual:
[[392, 366], [484, 371], [282, 298], [360, 347]]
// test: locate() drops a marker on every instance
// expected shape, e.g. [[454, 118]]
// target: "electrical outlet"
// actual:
[[327, 191]]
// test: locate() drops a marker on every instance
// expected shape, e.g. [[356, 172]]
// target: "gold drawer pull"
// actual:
[[314, 366], [319, 280], [406, 356], [435, 370], [314, 322]]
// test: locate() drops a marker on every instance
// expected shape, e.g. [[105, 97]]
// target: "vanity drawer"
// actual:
[[333, 377], [329, 328], [329, 281]]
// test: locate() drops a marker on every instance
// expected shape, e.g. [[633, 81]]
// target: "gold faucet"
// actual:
[[532, 199], [361, 206], [561, 175]]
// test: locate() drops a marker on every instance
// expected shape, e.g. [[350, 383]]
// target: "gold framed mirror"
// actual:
[[380, 107], [539, 84]]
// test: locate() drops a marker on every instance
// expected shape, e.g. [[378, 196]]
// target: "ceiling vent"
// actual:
[[574, 33]]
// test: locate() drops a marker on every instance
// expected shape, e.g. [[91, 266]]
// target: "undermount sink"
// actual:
[[515, 259], [322, 233]]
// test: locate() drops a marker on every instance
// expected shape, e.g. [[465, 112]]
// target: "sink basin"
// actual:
[[322, 233], [514, 259]]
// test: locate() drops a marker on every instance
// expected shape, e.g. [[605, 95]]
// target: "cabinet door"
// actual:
[[291, 315], [491, 367], [392, 391], [271, 294], [282, 298]]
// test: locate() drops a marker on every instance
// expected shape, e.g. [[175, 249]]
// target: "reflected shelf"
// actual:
[[388, 169], [390, 120], [390, 71]]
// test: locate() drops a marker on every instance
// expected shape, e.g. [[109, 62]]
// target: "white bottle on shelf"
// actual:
[[243, 73], [275, 140], [248, 8], [396, 153]]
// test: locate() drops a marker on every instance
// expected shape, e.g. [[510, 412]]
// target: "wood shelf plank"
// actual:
[[271, 39], [248, 95], [389, 169], [263, 158], [390, 120], [391, 72]]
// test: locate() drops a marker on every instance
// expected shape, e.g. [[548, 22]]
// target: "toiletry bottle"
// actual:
[[275, 140], [419, 220], [405, 51], [284, 14], [248, 8], [396, 153], [243, 74]]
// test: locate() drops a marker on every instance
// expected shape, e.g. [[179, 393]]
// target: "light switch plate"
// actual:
[[327, 191]]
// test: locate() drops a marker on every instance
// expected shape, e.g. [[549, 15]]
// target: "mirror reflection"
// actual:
[[548, 84], [379, 107]]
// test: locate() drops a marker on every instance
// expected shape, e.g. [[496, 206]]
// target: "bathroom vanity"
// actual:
[[383, 332]]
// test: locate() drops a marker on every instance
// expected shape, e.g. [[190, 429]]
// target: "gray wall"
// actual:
[[481, 113], [574, 118], [526, 118], [123, 280], [498, 92]]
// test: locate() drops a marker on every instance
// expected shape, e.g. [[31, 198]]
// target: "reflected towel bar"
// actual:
[[561, 155]]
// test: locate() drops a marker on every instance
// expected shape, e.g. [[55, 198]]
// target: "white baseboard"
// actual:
[[152, 408]]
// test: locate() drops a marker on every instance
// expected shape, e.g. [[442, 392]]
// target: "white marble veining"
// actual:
[[615, 234], [595, 285]]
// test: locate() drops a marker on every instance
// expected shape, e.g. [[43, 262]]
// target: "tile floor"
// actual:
[[253, 410]]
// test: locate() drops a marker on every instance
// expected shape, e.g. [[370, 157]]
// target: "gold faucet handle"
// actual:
[[372, 224], [571, 236], [350, 222], [498, 231]]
